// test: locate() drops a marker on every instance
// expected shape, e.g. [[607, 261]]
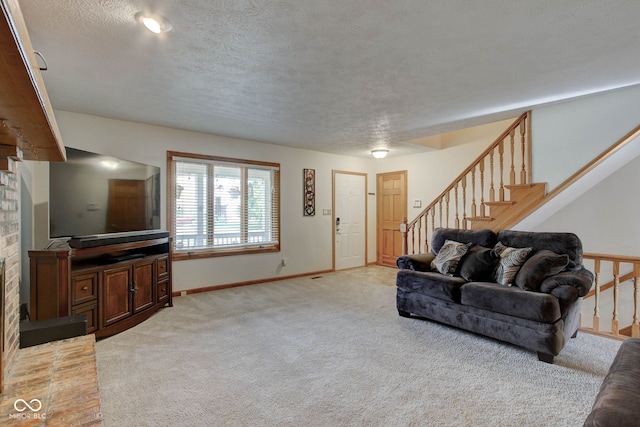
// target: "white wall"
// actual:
[[565, 138], [568, 135], [606, 217], [306, 241]]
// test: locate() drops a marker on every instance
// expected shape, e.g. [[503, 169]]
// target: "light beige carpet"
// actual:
[[332, 351]]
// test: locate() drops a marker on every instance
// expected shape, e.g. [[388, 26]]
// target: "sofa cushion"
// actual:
[[448, 258], [483, 237], [418, 262], [479, 264], [432, 284], [560, 243], [511, 259], [511, 301], [538, 267]]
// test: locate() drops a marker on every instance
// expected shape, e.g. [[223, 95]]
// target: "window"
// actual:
[[220, 206]]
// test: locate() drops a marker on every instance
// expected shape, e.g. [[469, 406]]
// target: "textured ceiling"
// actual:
[[340, 76]]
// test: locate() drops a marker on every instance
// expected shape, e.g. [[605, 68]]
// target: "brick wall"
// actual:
[[10, 251]]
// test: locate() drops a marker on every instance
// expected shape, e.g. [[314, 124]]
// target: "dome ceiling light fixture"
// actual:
[[155, 23], [380, 153]]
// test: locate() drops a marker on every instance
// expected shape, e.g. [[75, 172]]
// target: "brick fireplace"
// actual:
[[10, 253]]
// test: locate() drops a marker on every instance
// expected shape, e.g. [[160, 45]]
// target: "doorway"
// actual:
[[391, 208], [349, 219]]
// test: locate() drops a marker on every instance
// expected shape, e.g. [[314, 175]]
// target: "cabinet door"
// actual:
[[116, 294], [143, 285]]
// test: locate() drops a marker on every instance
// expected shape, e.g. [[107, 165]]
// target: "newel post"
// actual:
[[403, 230]]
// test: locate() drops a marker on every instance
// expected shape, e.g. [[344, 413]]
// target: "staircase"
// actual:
[[479, 198], [493, 192]]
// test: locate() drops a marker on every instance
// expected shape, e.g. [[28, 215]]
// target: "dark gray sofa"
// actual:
[[618, 401], [539, 314]]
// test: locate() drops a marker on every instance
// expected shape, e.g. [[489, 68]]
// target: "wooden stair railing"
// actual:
[[492, 192], [621, 275]]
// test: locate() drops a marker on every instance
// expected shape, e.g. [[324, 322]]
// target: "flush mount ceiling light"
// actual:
[[380, 153], [154, 23]]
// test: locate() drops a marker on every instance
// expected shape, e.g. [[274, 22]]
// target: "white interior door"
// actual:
[[350, 220]]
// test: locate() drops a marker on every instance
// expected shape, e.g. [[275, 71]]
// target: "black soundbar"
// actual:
[[93, 240]]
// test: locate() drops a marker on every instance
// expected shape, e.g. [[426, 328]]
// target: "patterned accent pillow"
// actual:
[[511, 259], [446, 262]]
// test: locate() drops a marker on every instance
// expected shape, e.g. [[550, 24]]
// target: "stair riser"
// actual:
[[525, 198]]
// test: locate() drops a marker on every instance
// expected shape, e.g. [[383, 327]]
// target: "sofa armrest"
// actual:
[[417, 262], [580, 279]]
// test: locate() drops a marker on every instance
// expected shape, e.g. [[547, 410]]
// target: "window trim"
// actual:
[[171, 203]]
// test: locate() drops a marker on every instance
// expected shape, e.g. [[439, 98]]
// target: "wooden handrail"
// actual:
[[609, 257], [462, 203], [473, 164], [624, 268]]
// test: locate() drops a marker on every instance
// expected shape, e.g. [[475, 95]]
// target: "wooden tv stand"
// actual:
[[115, 282]]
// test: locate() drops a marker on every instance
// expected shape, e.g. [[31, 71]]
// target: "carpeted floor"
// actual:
[[332, 351]]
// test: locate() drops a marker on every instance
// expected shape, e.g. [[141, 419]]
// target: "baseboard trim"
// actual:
[[247, 283]]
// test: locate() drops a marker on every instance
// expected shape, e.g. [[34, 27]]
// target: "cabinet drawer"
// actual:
[[162, 292], [84, 288], [91, 310], [163, 267]]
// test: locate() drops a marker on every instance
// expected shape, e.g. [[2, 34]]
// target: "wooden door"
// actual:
[[116, 294], [126, 205], [143, 295], [350, 191], [391, 201]]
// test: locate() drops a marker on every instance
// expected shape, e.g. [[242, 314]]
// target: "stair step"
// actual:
[[526, 191], [527, 199], [480, 218], [504, 213], [498, 208], [500, 203], [478, 222]]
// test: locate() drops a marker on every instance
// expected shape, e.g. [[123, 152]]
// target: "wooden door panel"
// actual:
[[143, 295], [391, 210], [397, 244], [116, 296]]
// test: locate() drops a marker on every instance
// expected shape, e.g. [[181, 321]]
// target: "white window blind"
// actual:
[[225, 204]]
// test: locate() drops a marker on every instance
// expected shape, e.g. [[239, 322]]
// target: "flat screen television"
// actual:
[[92, 194]]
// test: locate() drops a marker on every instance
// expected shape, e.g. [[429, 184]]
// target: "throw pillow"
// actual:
[[511, 259], [479, 264], [448, 257], [538, 267]]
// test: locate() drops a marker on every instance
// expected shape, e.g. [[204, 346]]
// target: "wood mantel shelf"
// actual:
[[26, 116]]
